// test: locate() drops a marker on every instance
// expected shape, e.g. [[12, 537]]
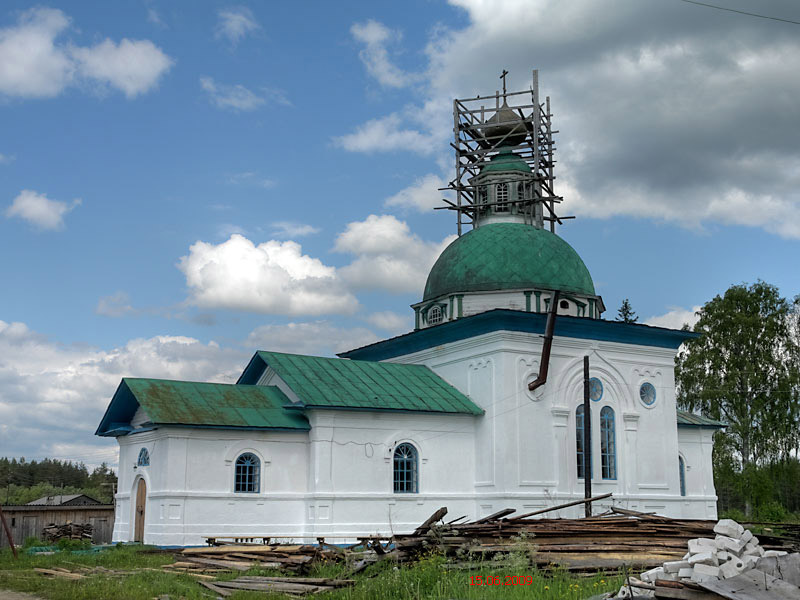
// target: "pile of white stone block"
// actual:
[[733, 551]]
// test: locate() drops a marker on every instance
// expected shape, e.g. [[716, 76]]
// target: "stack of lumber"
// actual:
[[243, 557], [293, 586], [610, 541], [73, 531]]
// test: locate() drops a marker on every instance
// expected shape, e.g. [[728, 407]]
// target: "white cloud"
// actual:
[[675, 318], [239, 98], [320, 338], [386, 135], [52, 397], [290, 229], [391, 321], [422, 195], [5, 159], [235, 23], [33, 65], [375, 56], [235, 97], [132, 66], [39, 210], [115, 305], [248, 177], [154, 17], [271, 278], [388, 256]]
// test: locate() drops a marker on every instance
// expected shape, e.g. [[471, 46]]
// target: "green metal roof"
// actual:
[[508, 256], [199, 404], [688, 419], [505, 161], [356, 384]]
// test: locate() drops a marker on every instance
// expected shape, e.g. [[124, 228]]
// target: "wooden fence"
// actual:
[[29, 520]]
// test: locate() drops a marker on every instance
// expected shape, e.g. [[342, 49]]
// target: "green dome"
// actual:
[[503, 256]]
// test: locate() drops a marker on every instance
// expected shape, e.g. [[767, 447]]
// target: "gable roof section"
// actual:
[[688, 419], [189, 403], [361, 385], [503, 319]]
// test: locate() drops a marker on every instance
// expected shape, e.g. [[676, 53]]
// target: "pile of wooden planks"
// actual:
[[295, 558], [616, 539], [73, 531], [293, 586]]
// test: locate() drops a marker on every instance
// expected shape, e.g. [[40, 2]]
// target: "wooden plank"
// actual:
[[272, 586], [499, 514], [436, 516], [215, 589], [560, 506]]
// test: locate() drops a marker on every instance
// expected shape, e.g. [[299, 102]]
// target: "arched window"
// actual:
[[502, 198], [406, 478], [608, 446], [520, 191], [144, 458], [579, 422], [435, 315], [248, 471], [682, 471]]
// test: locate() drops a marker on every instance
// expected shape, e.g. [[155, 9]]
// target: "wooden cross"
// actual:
[[503, 77]]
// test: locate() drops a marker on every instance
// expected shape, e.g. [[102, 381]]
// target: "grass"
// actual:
[[429, 579]]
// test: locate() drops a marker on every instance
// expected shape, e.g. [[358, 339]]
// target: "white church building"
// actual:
[[378, 439]]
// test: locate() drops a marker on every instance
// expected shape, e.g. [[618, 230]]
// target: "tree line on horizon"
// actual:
[[24, 481]]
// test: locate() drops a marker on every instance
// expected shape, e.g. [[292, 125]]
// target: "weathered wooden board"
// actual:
[[753, 585]]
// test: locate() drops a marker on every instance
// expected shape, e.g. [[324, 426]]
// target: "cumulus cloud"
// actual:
[[53, 396], [39, 210], [422, 195], [664, 111], [271, 278], [235, 23], [675, 318], [388, 256], [391, 321], [290, 229], [375, 36], [132, 66], [321, 338], [386, 134], [34, 65], [239, 98]]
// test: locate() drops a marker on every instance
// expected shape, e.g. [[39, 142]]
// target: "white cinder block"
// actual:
[[651, 575], [773, 553], [729, 528], [708, 570], [734, 545], [675, 566], [699, 545], [703, 558], [668, 577], [686, 573], [746, 536], [722, 556], [731, 568]]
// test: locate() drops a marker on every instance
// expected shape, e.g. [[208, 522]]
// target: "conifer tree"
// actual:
[[625, 313]]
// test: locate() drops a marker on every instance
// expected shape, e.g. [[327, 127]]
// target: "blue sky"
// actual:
[[184, 183]]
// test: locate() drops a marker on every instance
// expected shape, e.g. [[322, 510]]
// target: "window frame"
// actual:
[[246, 480], [682, 475], [608, 443], [501, 198], [579, 449], [405, 469]]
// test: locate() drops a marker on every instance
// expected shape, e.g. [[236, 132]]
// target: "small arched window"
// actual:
[[564, 305], [435, 315], [248, 471], [502, 198], [682, 471], [144, 458], [520, 191], [579, 423], [406, 469], [608, 446]]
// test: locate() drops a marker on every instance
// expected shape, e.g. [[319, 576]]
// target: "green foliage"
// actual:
[[625, 313], [26, 481], [68, 545]]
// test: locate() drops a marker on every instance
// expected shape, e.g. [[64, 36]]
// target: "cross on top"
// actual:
[[503, 77]]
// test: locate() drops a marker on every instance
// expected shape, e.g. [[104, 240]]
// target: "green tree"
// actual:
[[625, 313], [743, 369]]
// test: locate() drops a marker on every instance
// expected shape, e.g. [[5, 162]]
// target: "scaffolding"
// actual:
[[480, 132]]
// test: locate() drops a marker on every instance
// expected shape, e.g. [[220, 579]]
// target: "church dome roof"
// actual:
[[508, 256]]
